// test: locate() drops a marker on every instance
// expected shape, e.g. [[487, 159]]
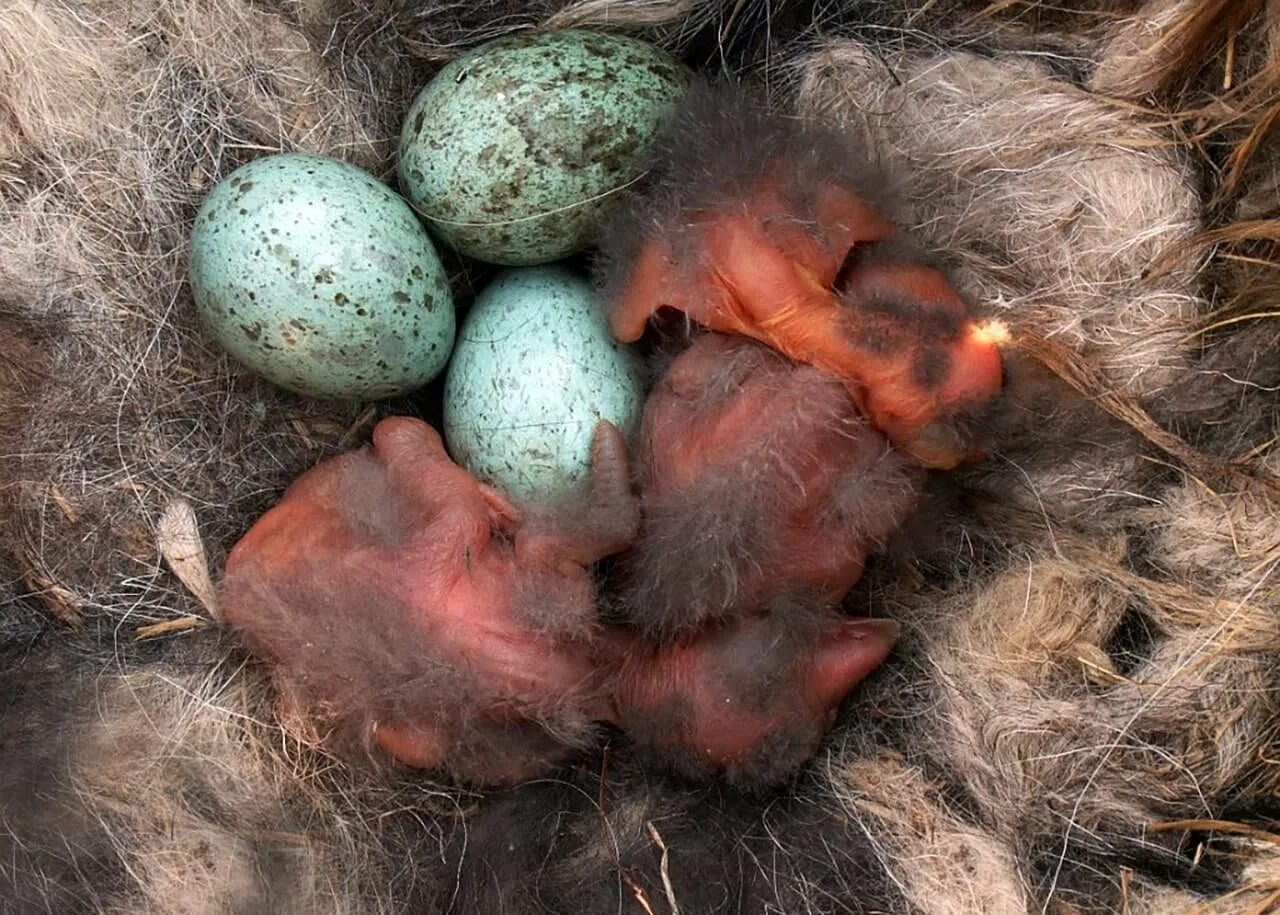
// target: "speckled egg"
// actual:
[[320, 278], [534, 371], [514, 151]]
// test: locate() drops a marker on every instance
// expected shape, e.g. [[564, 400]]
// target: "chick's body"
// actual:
[[770, 229], [758, 477], [389, 591]]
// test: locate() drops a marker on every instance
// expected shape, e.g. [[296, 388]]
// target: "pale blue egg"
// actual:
[[320, 278], [534, 370], [515, 151]]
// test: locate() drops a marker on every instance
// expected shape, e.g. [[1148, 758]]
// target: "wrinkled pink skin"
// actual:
[[456, 557], [401, 526], [785, 433], [714, 702]]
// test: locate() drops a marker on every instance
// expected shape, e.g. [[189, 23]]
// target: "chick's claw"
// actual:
[[599, 521], [388, 591]]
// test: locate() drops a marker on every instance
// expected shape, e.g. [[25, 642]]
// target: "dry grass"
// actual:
[[1082, 716]]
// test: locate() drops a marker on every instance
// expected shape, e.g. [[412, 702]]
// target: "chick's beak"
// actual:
[[849, 655]]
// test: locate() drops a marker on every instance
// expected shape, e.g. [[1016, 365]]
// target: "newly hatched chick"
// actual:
[[412, 608], [758, 477], [750, 699], [769, 228]]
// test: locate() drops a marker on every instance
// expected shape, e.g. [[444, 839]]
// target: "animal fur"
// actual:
[[1081, 712]]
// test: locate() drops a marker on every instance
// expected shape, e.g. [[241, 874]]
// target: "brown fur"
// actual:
[[1081, 713]]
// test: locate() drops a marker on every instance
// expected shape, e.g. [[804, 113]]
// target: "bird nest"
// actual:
[[1082, 712]]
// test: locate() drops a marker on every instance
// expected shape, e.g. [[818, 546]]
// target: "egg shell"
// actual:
[[321, 278], [534, 371], [513, 151]]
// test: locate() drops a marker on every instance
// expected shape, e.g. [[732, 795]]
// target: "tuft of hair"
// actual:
[[723, 33], [1065, 717], [1050, 202], [617, 836], [166, 787], [117, 119], [705, 543], [1162, 48]]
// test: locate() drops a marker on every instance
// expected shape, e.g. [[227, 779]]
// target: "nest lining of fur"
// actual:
[[1082, 716]]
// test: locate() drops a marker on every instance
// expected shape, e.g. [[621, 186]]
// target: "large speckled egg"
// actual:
[[515, 150], [535, 369], [320, 278]]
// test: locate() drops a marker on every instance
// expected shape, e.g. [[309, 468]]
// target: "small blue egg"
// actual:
[[534, 370], [516, 151], [321, 279]]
